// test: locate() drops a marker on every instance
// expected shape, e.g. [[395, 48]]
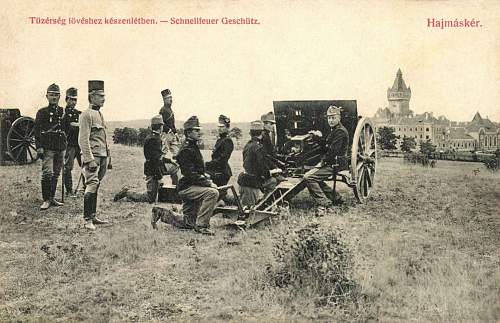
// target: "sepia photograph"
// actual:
[[250, 161]]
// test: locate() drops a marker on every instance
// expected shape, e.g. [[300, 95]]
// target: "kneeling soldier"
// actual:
[[198, 193], [155, 166], [257, 174], [50, 141], [335, 158]]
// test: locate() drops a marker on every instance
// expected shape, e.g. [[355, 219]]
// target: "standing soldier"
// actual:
[[70, 127], [268, 137], [169, 136], [335, 158], [155, 166], [198, 193], [95, 152], [257, 174], [218, 168], [50, 141]]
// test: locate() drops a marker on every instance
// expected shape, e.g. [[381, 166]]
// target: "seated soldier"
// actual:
[[257, 174], [335, 158], [198, 193], [155, 166], [268, 142], [218, 168]]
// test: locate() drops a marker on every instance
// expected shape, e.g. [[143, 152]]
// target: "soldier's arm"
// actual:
[[84, 138], [39, 119], [185, 160], [260, 159], [336, 146]]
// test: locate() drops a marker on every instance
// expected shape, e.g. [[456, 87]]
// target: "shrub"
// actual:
[[314, 260]]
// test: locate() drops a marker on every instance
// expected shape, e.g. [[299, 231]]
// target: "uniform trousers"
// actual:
[[315, 181], [198, 204]]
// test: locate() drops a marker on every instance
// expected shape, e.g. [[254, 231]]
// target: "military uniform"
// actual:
[[169, 137], [218, 168], [94, 148], [198, 195], [257, 172], [70, 124], [335, 158], [50, 141], [155, 167]]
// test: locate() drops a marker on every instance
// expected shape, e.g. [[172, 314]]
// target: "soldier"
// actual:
[[269, 144], [198, 193], [95, 152], [155, 166], [257, 173], [50, 141], [335, 158], [218, 168], [70, 127], [169, 136]]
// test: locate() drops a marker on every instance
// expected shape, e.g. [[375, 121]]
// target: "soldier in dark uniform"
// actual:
[[198, 193], [70, 127], [50, 141], [155, 166], [257, 173], [335, 158], [218, 168], [169, 137], [269, 144], [95, 152]]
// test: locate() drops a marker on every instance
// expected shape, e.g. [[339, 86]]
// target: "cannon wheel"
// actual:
[[363, 159], [21, 141]]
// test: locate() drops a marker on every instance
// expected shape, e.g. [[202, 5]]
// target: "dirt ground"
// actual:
[[426, 248]]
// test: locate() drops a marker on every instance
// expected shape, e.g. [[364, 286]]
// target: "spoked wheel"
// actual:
[[363, 159], [21, 141]]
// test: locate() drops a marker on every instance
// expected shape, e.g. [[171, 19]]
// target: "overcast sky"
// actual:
[[301, 50]]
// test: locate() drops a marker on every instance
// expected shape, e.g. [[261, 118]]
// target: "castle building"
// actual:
[[399, 97]]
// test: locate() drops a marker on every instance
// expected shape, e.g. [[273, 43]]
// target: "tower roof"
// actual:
[[399, 84]]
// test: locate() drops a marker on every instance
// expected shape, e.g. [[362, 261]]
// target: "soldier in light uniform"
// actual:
[[50, 141], [95, 152], [218, 168], [198, 193], [169, 137], [335, 158], [257, 174], [155, 166], [71, 128]]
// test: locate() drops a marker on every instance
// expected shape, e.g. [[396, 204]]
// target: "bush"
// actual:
[[314, 260]]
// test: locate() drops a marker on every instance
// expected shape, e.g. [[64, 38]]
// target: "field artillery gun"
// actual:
[[298, 152], [17, 138]]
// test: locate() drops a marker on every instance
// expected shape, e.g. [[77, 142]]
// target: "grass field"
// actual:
[[426, 247]]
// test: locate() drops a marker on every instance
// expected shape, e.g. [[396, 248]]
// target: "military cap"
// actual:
[[96, 86], [192, 123], [158, 119], [268, 117], [257, 125], [224, 120], [53, 88], [333, 110], [166, 93], [72, 93]]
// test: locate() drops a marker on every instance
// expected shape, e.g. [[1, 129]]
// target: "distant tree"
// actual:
[[408, 144], [427, 147], [130, 136], [235, 133], [387, 138]]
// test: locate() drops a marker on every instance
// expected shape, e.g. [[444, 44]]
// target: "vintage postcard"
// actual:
[[250, 161]]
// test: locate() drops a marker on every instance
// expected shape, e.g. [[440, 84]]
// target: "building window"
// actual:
[[404, 129], [420, 136], [426, 129], [426, 136]]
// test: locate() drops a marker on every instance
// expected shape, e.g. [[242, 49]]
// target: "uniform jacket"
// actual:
[[192, 166], [336, 145], [153, 155], [168, 119], [71, 115], [255, 165], [47, 118], [92, 135], [220, 156]]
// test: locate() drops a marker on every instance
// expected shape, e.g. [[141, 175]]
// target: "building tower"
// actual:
[[399, 97]]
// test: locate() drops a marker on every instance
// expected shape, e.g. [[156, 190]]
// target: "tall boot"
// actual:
[[95, 219], [87, 210], [68, 181], [53, 189], [46, 187]]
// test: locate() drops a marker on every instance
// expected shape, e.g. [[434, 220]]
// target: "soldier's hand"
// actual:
[[212, 184], [39, 152], [92, 166]]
